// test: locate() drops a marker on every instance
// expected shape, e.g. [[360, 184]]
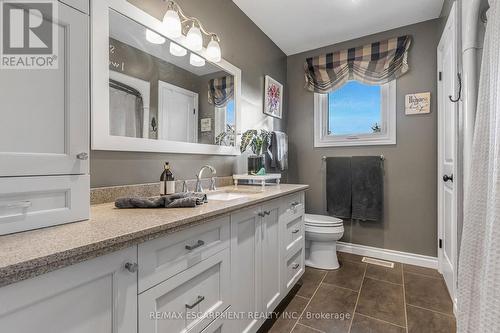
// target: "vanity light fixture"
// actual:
[[196, 60], [177, 50], [154, 38], [176, 21]]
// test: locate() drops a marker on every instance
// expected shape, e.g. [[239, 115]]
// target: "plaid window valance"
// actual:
[[220, 91], [375, 63]]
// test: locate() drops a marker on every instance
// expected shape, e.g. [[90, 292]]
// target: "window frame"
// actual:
[[388, 116]]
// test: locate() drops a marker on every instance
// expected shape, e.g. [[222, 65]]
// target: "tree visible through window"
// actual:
[[355, 108]]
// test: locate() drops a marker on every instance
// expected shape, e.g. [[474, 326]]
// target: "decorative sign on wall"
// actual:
[[206, 124], [418, 103]]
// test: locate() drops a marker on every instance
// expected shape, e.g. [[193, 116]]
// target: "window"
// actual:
[[356, 115]]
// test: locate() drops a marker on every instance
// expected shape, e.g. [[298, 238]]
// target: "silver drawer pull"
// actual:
[[82, 156], [267, 212], [294, 231], [198, 301], [295, 204], [198, 244], [295, 266], [132, 267], [20, 204]]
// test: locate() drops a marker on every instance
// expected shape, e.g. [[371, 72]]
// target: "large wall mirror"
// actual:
[[153, 94]]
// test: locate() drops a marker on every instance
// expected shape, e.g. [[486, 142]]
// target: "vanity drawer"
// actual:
[[164, 257], [294, 233], [292, 207], [35, 202], [190, 300], [294, 268]]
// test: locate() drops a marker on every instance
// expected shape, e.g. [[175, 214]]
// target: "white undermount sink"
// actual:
[[225, 196]]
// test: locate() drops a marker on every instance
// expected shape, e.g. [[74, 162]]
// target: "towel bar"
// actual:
[[382, 157]]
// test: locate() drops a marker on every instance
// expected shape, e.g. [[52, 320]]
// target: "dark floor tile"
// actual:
[[302, 329], [421, 270], [425, 321], [310, 281], [362, 324], [427, 292], [330, 310], [349, 275], [289, 316], [344, 256], [394, 275], [382, 300]]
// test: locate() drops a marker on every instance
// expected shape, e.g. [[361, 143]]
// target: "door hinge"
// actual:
[[194, 111], [440, 243], [440, 78]]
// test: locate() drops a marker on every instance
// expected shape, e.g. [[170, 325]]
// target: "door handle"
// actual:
[[132, 267], [448, 178]]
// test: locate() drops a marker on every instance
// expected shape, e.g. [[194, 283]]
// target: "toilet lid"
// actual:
[[322, 220]]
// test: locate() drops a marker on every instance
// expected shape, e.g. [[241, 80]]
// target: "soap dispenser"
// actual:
[[167, 182]]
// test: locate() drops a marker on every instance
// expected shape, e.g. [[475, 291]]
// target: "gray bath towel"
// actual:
[[338, 186], [278, 151], [177, 200], [367, 188]]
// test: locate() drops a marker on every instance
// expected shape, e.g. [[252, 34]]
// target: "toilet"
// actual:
[[322, 234]]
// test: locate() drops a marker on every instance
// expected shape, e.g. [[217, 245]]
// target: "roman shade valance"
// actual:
[[220, 91], [375, 63]]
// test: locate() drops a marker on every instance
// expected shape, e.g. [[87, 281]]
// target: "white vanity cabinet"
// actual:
[[44, 133], [98, 295], [263, 270]]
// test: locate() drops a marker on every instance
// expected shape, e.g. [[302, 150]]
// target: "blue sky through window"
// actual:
[[230, 112], [354, 109]]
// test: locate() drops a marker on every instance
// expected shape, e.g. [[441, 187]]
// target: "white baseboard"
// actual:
[[403, 257]]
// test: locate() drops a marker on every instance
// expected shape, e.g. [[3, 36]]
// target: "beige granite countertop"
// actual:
[[31, 253]]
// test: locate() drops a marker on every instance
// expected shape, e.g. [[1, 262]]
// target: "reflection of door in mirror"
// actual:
[[177, 113], [128, 105]]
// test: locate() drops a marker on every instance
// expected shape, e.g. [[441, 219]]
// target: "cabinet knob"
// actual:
[[132, 267], [82, 156]]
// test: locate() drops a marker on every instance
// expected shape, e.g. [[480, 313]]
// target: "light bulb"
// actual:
[[194, 40], [153, 37], [177, 50], [172, 24], [213, 51], [196, 60]]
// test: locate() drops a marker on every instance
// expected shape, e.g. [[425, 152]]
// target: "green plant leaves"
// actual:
[[246, 139]]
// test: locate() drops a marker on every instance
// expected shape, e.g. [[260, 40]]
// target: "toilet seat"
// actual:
[[322, 221]]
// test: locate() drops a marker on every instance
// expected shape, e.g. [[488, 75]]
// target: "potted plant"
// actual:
[[258, 143]]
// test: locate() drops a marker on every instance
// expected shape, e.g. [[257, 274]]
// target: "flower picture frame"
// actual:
[[273, 98]]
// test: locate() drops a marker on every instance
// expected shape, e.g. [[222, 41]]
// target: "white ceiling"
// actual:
[[302, 25]]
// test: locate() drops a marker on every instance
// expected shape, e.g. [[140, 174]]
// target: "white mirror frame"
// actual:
[[101, 138]]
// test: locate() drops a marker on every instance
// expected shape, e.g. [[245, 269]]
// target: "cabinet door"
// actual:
[[246, 256], [271, 261], [98, 295], [45, 112]]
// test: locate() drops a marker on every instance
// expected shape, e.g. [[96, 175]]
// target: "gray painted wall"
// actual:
[[244, 45], [410, 222]]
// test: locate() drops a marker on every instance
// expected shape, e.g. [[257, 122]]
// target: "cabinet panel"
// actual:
[[246, 254], [99, 295], [189, 300], [164, 257], [271, 261], [45, 112]]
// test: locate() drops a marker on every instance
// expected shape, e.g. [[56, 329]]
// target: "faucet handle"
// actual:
[[185, 186], [212, 184], [198, 184]]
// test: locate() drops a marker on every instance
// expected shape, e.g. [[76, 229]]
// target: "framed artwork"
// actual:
[[273, 97], [418, 103]]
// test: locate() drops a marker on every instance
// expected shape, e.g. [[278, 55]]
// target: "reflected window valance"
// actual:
[[375, 63], [220, 91]]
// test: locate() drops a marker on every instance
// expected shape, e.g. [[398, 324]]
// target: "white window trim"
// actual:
[[388, 137]]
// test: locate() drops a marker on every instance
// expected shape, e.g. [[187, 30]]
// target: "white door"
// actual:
[[98, 295], [447, 153], [271, 263], [177, 113], [246, 265], [45, 112]]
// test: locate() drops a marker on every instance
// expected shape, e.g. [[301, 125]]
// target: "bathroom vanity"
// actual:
[[151, 270]]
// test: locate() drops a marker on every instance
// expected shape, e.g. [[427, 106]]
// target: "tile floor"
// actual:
[[361, 298]]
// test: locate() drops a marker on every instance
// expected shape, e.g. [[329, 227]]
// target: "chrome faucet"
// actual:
[[199, 188]]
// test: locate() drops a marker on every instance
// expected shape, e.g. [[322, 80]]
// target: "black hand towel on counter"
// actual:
[[177, 200], [367, 188], [338, 186]]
